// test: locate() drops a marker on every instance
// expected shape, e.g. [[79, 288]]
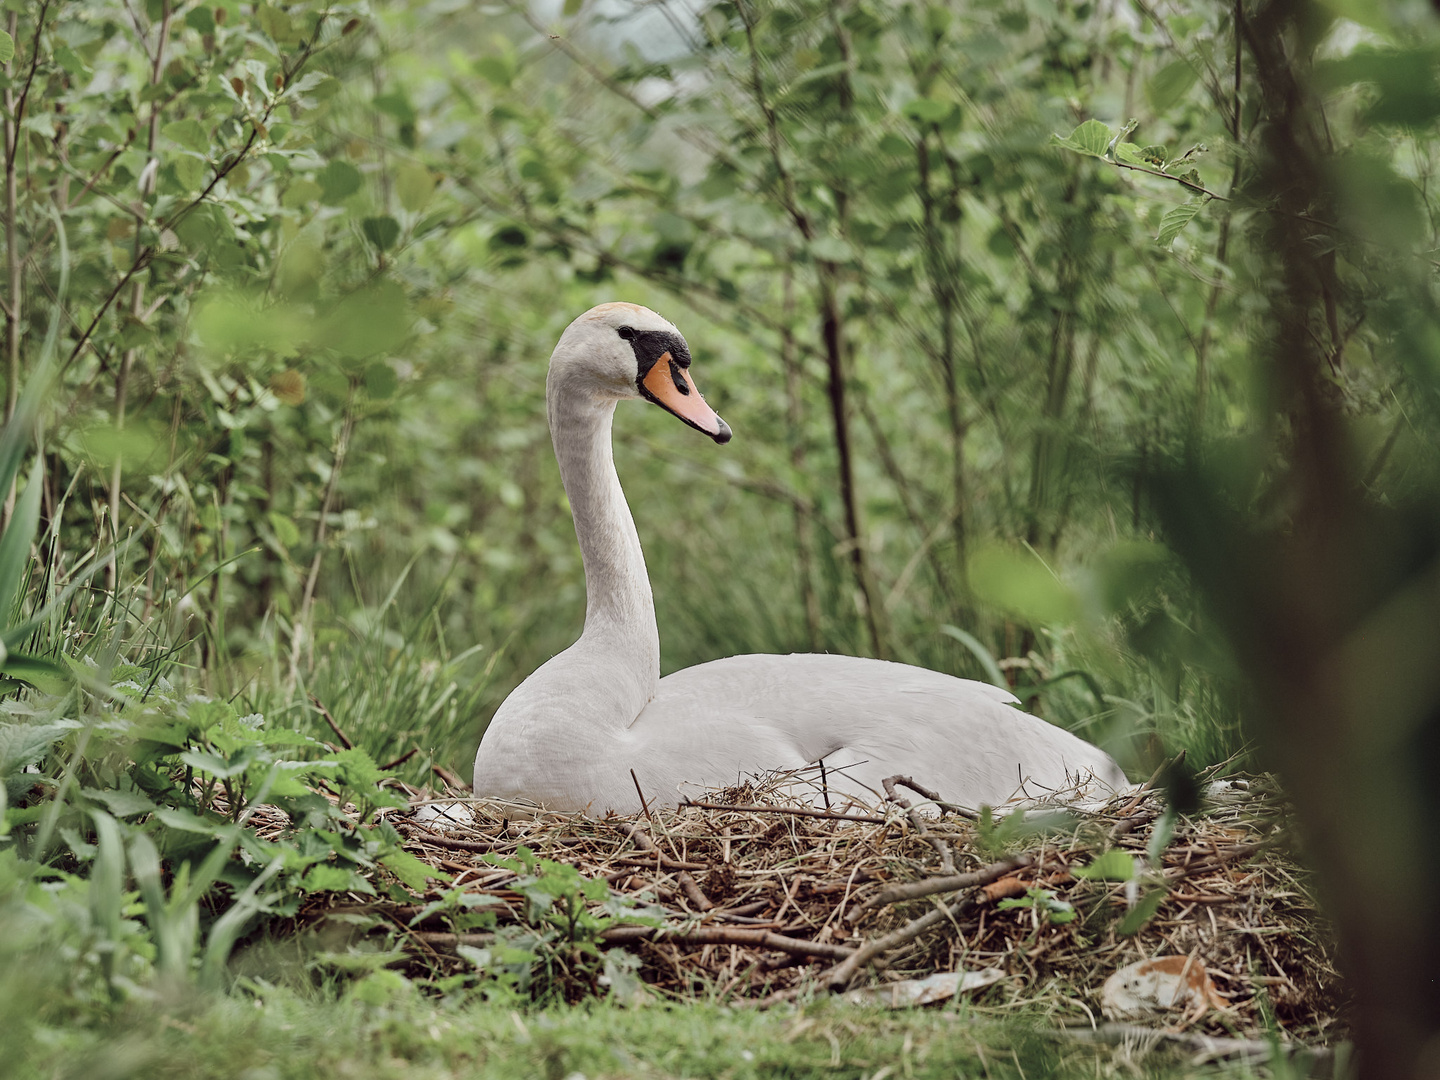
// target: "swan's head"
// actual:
[[618, 351]]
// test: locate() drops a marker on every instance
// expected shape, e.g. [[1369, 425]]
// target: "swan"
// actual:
[[571, 735]]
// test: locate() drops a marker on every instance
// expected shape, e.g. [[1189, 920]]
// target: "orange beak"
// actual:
[[669, 385]]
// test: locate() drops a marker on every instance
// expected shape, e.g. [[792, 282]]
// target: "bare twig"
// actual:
[[794, 811], [930, 886], [344, 739]]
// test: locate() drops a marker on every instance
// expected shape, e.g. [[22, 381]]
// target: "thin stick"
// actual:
[[344, 739], [797, 811], [930, 886], [726, 935], [643, 804]]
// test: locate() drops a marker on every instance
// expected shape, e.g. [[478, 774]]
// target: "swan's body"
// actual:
[[569, 736]]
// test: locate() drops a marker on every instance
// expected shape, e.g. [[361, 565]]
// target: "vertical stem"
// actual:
[[12, 243], [300, 635], [944, 273], [831, 333], [795, 422], [137, 295]]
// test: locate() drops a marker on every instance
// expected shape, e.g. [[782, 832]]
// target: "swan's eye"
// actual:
[[627, 333]]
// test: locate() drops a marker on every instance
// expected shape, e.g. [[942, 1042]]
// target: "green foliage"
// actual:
[[1044, 903]]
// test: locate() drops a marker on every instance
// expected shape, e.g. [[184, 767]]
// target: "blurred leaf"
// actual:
[[926, 110], [1019, 583], [7, 47], [1143, 911], [368, 322], [413, 185], [189, 134], [381, 231], [15, 543], [381, 381], [285, 530], [1113, 865], [338, 181], [288, 386], [1170, 84]]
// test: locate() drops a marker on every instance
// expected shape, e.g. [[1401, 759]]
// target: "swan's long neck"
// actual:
[[620, 632]]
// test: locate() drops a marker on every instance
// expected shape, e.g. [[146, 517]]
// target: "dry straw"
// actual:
[[767, 901]]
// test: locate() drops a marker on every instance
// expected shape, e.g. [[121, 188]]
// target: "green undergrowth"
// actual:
[[266, 1033]]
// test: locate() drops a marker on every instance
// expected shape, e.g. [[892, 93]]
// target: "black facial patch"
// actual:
[[650, 346]]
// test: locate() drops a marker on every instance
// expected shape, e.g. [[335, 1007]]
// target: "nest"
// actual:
[[763, 900]]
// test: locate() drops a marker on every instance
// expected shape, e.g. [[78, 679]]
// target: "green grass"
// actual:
[[273, 1034]]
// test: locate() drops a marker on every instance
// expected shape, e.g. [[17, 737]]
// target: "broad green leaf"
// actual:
[[1017, 582], [277, 25], [1175, 221], [381, 381], [300, 192], [368, 322], [122, 804], [191, 173], [1136, 918], [1092, 137], [328, 877], [1113, 865], [381, 231], [15, 544], [927, 110], [410, 870], [572, 7], [338, 181], [7, 47], [1169, 84], [187, 133], [285, 530], [413, 185], [22, 745], [496, 70]]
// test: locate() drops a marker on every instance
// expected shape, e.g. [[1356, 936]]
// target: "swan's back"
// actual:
[[868, 719]]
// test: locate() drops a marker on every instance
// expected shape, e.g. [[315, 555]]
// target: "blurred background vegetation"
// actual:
[[1000, 298]]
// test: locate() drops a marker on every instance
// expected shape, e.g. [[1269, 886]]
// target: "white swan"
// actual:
[[569, 735]]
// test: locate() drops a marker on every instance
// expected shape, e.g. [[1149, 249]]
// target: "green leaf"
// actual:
[[1113, 865], [496, 70], [1169, 84], [381, 382], [1175, 221], [7, 47], [338, 181], [1141, 913], [285, 529], [15, 544], [22, 745], [410, 870], [187, 133], [190, 172], [368, 322], [572, 7], [381, 231], [300, 192], [926, 110], [414, 184], [1020, 583], [1092, 137], [122, 803], [328, 877], [277, 25]]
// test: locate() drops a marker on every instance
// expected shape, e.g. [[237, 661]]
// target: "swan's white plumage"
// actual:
[[569, 735]]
